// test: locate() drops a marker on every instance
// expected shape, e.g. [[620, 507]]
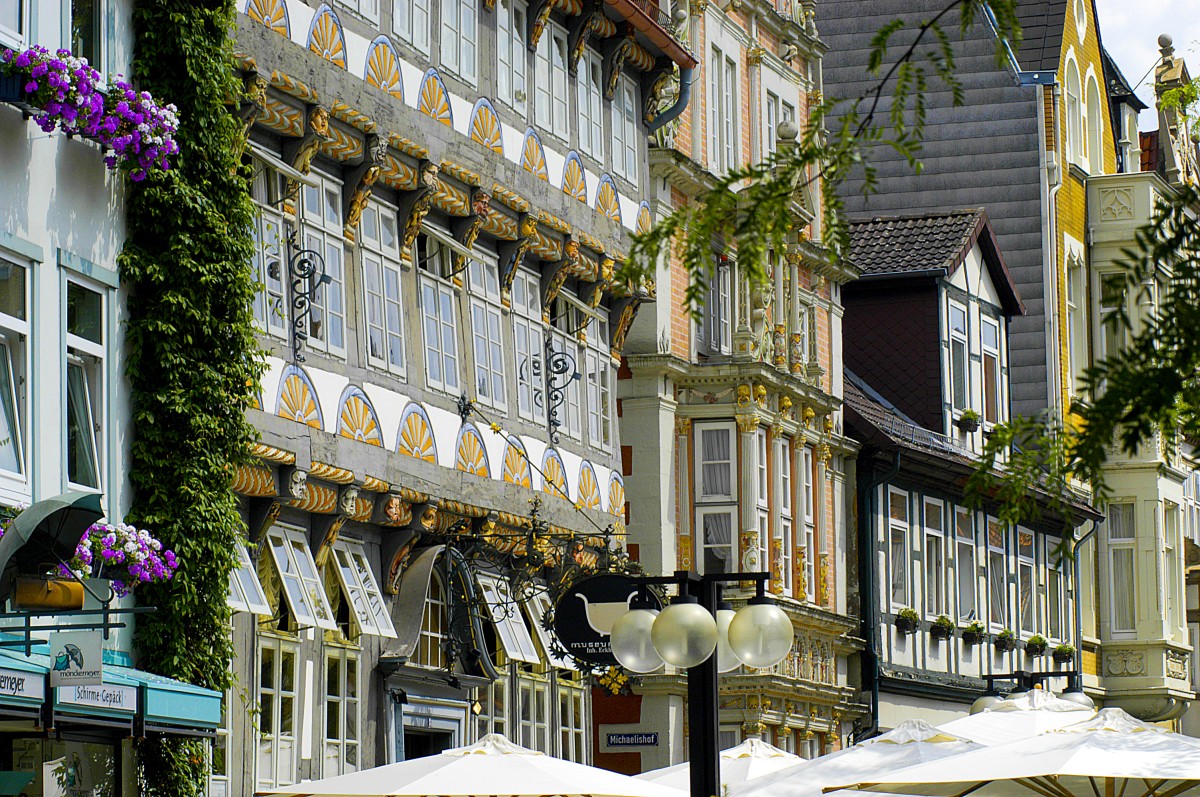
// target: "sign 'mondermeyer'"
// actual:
[[75, 658]]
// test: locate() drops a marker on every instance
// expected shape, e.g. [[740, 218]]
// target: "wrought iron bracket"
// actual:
[[306, 270], [561, 370]]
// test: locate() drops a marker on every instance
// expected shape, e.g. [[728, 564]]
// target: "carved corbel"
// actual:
[[261, 516], [299, 154], [466, 230], [327, 528], [539, 15], [293, 484], [621, 319], [512, 253], [579, 32], [557, 274], [614, 60], [593, 292], [654, 88], [415, 205], [396, 548], [252, 103], [362, 179]]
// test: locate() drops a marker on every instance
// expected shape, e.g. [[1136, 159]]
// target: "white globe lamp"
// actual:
[[631, 642], [727, 660], [760, 633], [684, 633]]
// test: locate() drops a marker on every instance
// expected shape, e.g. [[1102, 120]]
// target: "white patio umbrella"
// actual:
[[1110, 754], [1018, 717], [911, 742], [751, 759], [493, 766]]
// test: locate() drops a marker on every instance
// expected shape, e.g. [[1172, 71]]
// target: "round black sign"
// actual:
[[585, 613]]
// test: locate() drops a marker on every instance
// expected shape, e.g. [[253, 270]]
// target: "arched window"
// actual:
[[1095, 128], [431, 651], [1074, 113]]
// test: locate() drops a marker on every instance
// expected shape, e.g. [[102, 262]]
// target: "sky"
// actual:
[[1130, 30]]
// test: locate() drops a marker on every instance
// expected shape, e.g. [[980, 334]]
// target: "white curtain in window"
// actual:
[[716, 475]]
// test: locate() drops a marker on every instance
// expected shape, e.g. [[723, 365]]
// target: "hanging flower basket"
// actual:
[[1063, 654], [973, 634], [125, 555], [968, 421], [1035, 645], [47, 593], [942, 628], [906, 621], [1005, 641]]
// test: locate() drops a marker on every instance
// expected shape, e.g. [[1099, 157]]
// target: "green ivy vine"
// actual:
[[193, 361]]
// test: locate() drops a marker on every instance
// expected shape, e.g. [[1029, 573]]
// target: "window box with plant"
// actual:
[[1005, 641], [968, 421], [1063, 654], [907, 621], [973, 633], [1035, 645], [942, 628]]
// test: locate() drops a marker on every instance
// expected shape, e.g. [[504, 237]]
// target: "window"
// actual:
[[723, 109], [382, 285], [505, 614], [410, 21], [431, 645], [997, 574], [362, 592], [277, 726], [439, 314], [550, 81], [459, 37], [598, 372], [1095, 128], [935, 574], [561, 342], [572, 721], [716, 330], [87, 32], [764, 540], [958, 356], [322, 225], [511, 50], [717, 471], [271, 302], [1173, 567], [483, 281], [591, 110], [717, 553], [12, 21], [534, 715], [785, 538], [993, 386], [529, 338], [760, 467], [245, 591], [301, 585], [14, 331], [218, 762], [898, 548], [1074, 115], [964, 556], [625, 130], [85, 386], [364, 8], [1026, 586], [810, 528], [1076, 329], [1055, 594], [493, 703], [1112, 312], [771, 134], [1121, 574], [342, 714]]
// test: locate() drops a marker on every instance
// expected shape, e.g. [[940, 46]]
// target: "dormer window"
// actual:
[[958, 356]]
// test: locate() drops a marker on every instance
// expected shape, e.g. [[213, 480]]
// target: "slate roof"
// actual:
[[1041, 34], [1118, 87]]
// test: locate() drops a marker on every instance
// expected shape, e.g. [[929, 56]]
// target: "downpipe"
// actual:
[[681, 103]]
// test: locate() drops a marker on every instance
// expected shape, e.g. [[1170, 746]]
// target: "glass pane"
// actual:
[[10, 422], [81, 432], [1123, 589], [267, 669], [286, 714], [85, 314], [85, 31], [287, 661], [332, 680], [12, 276], [10, 15], [899, 507], [332, 711]]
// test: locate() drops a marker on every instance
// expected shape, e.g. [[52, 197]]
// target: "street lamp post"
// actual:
[[1025, 680], [687, 634]]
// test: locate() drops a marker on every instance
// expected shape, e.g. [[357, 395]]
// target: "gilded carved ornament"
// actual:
[[760, 395], [748, 424], [683, 426], [808, 414], [743, 396], [427, 182], [785, 406]]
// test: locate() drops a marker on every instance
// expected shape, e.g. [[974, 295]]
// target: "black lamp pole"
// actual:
[[704, 750]]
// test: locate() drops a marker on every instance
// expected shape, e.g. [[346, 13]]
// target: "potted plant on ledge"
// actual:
[[1063, 653], [907, 621], [1035, 645], [968, 421], [942, 628], [973, 634], [1005, 641]]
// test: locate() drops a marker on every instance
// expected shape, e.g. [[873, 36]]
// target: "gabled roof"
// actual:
[[930, 244], [1118, 87], [1041, 34]]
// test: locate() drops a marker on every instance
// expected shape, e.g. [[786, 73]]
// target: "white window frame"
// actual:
[[724, 142], [771, 113], [272, 304], [367, 9], [14, 357], [1094, 126], [99, 30], [810, 527], [995, 386], [1027, 568], [1173, 566], [282, 769], [245, 591], [91, 359], [703, 545], [1076, 293], [410, 21], [1057, 625], [899, 578], [294, 562], [487, 333], [550, 81], [15, 37], [435, 263], [786, 536], [703, 495], [529, 336], [219, 752], [959, 401], [367, 607], [572, 703], [591, 109], [342, 747], [1122, 565], [1073, 99], [625, 130], [997, 574], [935, 557], [430, 651], [512, 78], [570, 412], [599, 376], [762, 469], [384, 308], [966, 569], [505, 614], [459, 51], [716, 331], [321, 230]]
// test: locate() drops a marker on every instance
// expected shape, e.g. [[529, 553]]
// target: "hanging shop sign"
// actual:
[[76, 658], [585, 613], [106, 696]]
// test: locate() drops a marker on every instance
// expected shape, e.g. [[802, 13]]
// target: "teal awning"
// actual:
[[153, 702]]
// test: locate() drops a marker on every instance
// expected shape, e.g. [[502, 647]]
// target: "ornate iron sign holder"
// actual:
[[306, 270], [561, 371]]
